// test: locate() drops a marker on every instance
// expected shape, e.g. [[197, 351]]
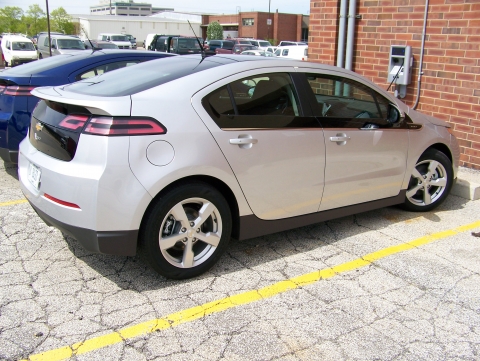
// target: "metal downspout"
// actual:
[[422, 50], [341, 34], [350, 34]]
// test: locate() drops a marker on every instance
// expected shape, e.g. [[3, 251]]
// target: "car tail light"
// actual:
[[59, 201], [74, 122], [17, 90], [124, 126]]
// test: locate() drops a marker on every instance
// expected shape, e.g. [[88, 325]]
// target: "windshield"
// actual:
[[127, 81], [119, 38], [70, 44], [23, 45], [264, 43]]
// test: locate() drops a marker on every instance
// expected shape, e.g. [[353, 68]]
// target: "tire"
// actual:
[[6, 64], [430, 182], [176, 240]]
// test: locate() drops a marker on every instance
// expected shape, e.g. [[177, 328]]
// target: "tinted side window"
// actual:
[[261, 101], [347, 100]]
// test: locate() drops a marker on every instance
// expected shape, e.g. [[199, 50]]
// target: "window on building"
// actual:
[[122, 7], [248, 22], [134, 8]]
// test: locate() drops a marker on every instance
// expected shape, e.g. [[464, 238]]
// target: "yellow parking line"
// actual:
[[244, 298], [11, 203]]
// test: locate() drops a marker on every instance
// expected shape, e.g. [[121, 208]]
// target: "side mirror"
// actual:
[[393, 115]]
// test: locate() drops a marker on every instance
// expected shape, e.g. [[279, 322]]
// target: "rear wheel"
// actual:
[[430, 182], [186, 231]]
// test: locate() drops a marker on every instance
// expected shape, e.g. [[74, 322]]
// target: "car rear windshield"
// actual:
[[134, 79], [35, 67]]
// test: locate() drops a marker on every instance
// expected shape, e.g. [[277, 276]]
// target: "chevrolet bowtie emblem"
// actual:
[[39, 127]]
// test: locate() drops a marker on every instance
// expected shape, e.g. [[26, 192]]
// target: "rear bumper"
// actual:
[[120, 243]]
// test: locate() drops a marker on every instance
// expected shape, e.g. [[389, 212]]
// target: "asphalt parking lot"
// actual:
[[381, 285]]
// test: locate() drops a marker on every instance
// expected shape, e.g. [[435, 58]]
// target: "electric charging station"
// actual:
[[399, 68]]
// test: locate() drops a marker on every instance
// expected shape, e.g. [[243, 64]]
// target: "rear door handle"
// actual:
[[244, 141], [241, 141], [340, 138]]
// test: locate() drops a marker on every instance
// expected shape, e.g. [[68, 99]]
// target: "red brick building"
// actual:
[[450, 84], [292, 27]]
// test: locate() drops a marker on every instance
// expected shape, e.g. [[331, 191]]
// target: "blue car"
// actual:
[[17, 104]]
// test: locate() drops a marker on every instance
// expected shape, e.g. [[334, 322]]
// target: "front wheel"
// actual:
[[186, 231], [430, 182]]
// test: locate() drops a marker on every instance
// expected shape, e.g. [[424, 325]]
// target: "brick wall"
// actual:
[[450, 86]]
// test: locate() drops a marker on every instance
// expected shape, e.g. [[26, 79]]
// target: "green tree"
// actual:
[[35, 20], [214, 31], [11, 19], [61, 21]]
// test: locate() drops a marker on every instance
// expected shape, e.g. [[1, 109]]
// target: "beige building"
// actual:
[[125, 8]]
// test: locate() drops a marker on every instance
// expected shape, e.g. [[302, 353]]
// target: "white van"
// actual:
[[18, 49], [120, 40], [299, 52]]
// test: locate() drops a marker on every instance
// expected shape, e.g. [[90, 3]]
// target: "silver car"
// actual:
[[177, 156]]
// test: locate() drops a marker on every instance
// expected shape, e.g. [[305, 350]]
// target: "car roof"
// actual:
[[70, 62], [184, 70]]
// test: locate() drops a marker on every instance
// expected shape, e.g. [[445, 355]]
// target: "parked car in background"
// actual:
[[61, 44], [17, 103], [182, 45], [237, 49], [259, 53], [119, 40], [17, 50], [148, 41], [299, 52], [99, 44], [261, 44], [181, 154], [223, 44], [291, 43], [133, 40]]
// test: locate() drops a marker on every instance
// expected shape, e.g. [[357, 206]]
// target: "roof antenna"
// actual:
[[198, 41], [93, 47]]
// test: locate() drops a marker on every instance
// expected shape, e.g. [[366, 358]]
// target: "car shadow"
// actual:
[[11, 169], [133, 273]]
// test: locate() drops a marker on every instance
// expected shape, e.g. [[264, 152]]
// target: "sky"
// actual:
[[205, 6]]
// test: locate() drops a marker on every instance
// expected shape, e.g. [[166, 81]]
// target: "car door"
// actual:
[[276, 153], [366, 154]]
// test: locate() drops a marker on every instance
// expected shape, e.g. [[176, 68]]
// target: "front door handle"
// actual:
[[340, 138], [244, 141]]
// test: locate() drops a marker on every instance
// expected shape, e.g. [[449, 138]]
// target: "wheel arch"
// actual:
[[442, 148], [220, 186]]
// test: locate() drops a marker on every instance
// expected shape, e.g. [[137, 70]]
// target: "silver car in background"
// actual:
[[180, 155]]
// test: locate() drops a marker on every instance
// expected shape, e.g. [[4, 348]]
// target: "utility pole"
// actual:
[[48, 26]]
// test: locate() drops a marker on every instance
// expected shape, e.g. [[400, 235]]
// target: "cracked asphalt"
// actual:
[[421, 302]]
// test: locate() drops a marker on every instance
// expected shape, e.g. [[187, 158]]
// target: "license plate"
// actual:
[[34, 174]]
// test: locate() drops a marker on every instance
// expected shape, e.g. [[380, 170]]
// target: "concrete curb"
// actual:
[[468, 184]]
